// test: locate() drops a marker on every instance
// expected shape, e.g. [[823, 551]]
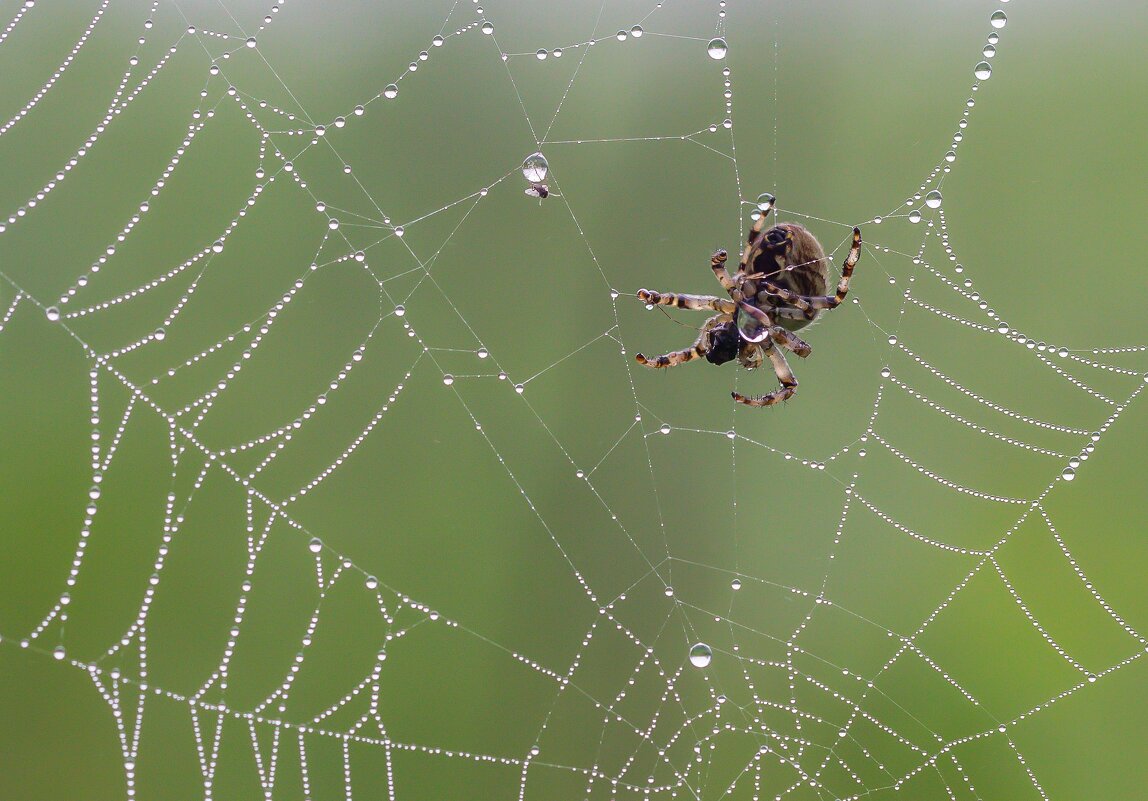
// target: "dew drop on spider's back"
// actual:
[[535, 167], [765, 202]]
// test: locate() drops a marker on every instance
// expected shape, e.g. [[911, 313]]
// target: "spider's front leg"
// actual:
[[700, 347], [717, 264], [682, 301], [784, 376]]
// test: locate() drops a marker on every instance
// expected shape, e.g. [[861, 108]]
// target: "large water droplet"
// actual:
[[391, 92], [534, 168], [52, 313], [989, 51], [701, 655], [637, 31], [487, 28], [717, 48], [750, 328], [400, 310], [765, 202], [315, 545], [915, 216], [998, 19], [933, 199], [983, 70], [1068, 474], [448, 379], [622, 36], [735, 584], [541, 54], [437, 41], [951, 156]]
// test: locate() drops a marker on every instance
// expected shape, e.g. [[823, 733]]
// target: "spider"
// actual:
[[784, 292]]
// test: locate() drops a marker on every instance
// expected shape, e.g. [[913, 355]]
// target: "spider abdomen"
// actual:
[[793, 259]]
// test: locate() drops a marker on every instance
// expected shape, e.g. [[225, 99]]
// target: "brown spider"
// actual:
[[784, 292]]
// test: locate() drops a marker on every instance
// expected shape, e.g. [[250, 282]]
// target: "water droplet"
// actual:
[[886, 372], [989, 51], [701, 655], [1062, 353], [622, 36], [1002, 327], [998, 19], [994, 37], [915, 216], [1068, 474], [951, 156], [535, 167], [735, 584], [372, 583], [487, 28], [557, 52], [448, 379], [579, 474], [637, 31], [52, 313], [483, 353], [665, 429], [94, 493], [717, 48], [765, 202], [399, 230], [983, 70], [315, 545], [400, 310], [391, 92], [217, 246], [251, 41], [519, 388], [58, 652], [437, 41], [668, 592], [933, 199]]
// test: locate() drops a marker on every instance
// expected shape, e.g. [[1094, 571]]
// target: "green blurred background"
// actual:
[[466, 498]]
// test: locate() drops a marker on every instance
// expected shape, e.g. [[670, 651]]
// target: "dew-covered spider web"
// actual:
[[328, 471]]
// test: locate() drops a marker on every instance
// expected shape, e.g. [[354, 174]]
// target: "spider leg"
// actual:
[[790, 341], [717, 263], [813, 303], [753, 246], [784, 376], [699, 348], [681, 301]]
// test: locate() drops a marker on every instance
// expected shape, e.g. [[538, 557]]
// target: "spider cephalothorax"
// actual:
[[779, 287]]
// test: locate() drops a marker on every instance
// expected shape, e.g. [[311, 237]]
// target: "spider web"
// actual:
[[329, 472]]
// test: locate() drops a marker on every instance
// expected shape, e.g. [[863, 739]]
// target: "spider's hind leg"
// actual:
[[784, 375]]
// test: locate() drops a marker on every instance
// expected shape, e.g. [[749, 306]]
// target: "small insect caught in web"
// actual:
[[780, 287], [541, 191]]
